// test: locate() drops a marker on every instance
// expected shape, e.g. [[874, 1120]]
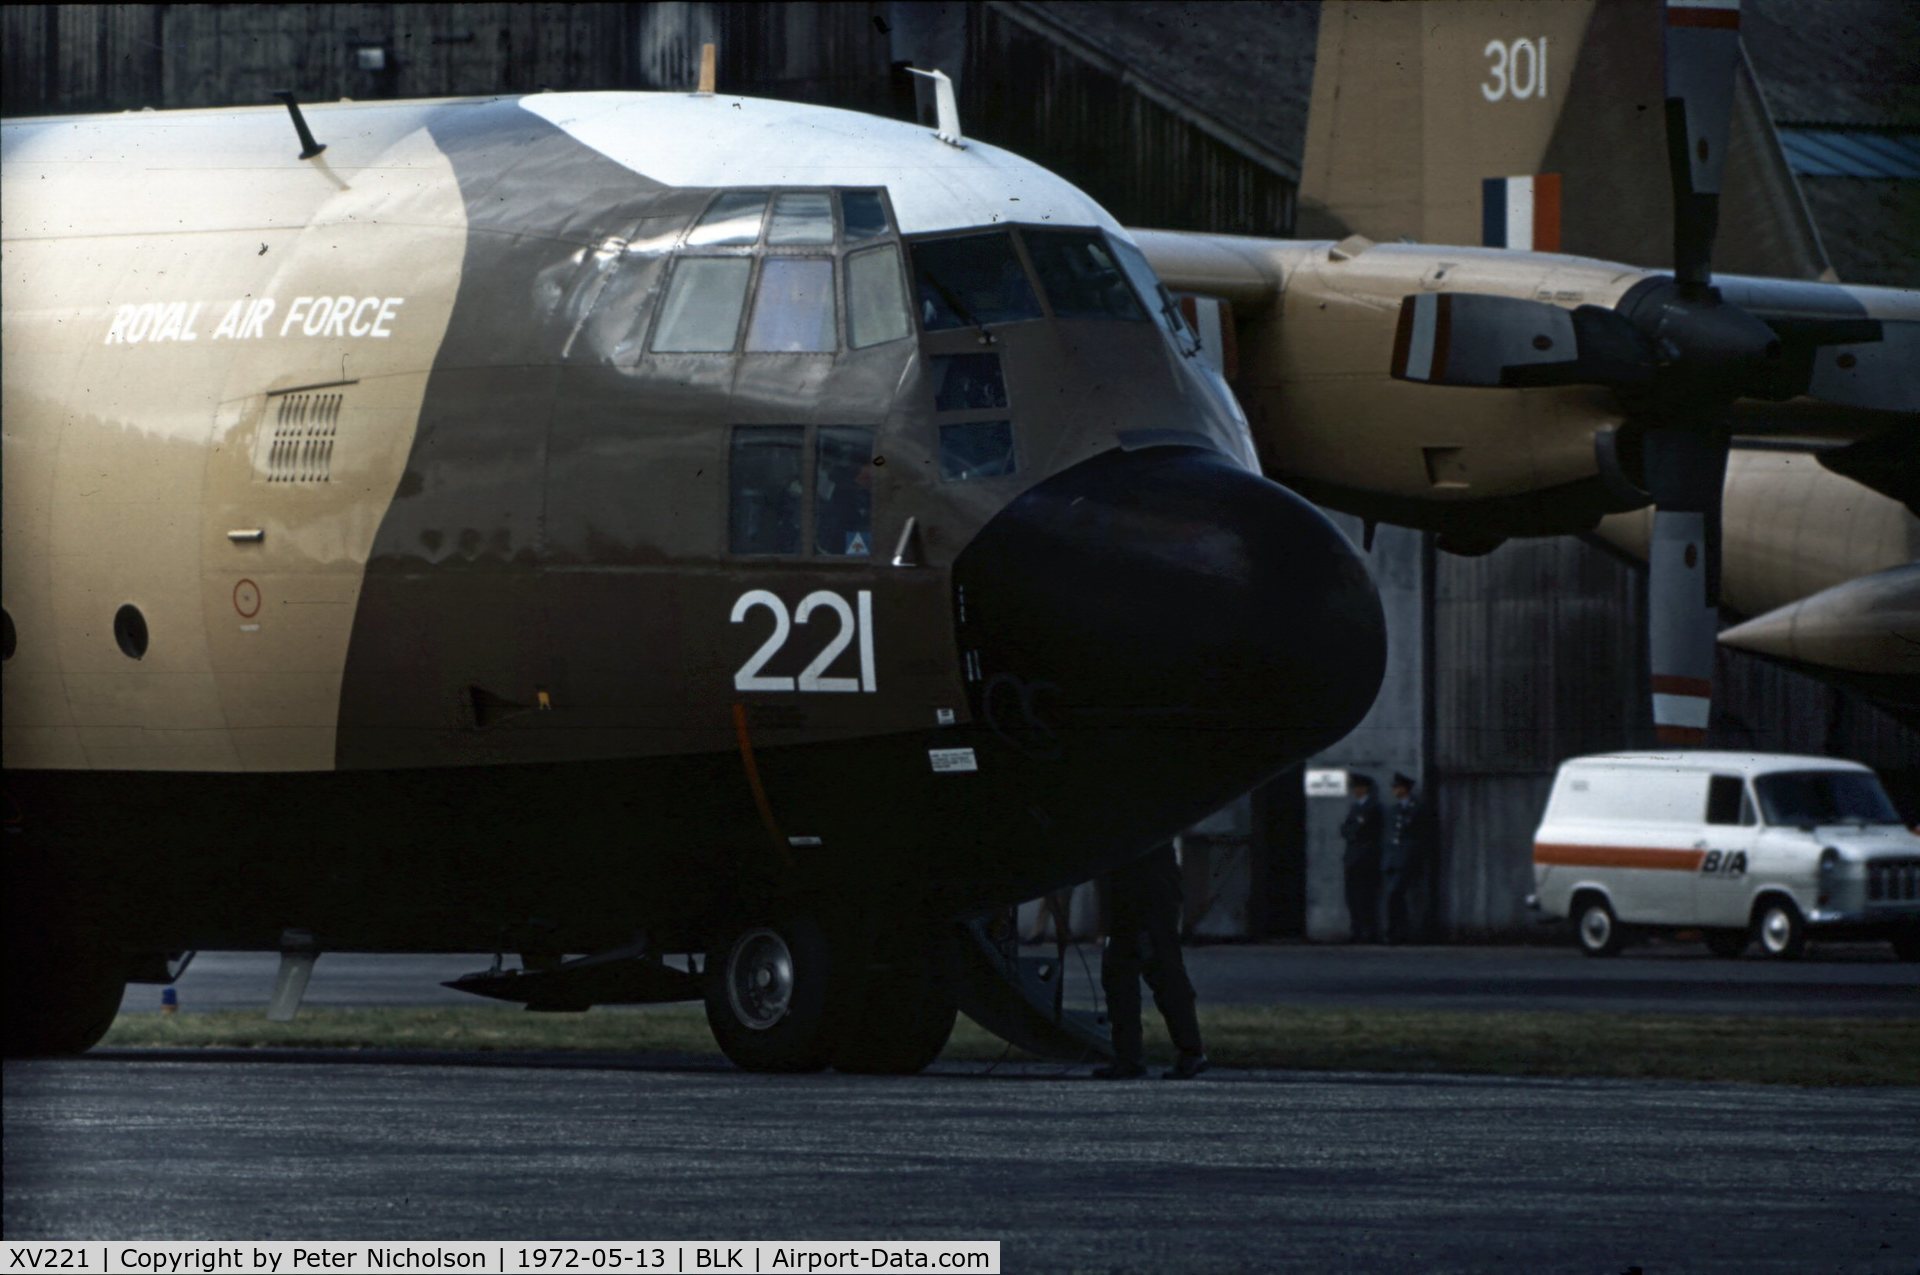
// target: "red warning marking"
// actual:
[[246, 599], [1669, 684]]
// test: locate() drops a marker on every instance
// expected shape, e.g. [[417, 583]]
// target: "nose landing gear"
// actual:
[[782, 996]]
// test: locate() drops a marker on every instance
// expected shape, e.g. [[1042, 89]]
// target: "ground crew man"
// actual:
[[1407, 855], [1362, 831], [1143, 940]]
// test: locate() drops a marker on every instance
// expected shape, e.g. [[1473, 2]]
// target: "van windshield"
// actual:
[[1811, 797]]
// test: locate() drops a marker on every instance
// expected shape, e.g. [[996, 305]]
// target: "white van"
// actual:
[[1744, 846]]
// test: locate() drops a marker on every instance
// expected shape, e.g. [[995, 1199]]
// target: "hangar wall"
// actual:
[[1504, 664]]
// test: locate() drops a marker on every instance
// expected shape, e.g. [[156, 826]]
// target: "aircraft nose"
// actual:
[[1165, 605]]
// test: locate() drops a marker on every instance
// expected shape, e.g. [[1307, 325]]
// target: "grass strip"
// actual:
[[1790, 1051]]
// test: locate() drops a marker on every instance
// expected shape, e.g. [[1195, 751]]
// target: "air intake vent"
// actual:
[[298, 447]]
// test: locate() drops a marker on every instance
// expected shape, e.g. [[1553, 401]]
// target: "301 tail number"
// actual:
[[855, 622]]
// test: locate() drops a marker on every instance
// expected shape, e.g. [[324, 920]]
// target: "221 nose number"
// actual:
[[813, 677]]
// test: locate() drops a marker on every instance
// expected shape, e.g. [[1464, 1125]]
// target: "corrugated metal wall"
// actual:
[[1536, 659]]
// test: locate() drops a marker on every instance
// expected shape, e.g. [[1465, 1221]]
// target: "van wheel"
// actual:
[[1782, 934], [1727, 943], [1596, 927]]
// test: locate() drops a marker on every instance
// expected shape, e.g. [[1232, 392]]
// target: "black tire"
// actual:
[[1779, 929], [767, 994], [1906, 945], [61, 1007], [1728, 943], [1595, 928], [903, 1013]]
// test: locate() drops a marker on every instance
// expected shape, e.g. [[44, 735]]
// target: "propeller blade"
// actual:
[[1477, 339], [1685, 468], [1702, 53]]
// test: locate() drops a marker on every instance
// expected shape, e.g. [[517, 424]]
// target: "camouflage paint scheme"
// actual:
[[441, 654]]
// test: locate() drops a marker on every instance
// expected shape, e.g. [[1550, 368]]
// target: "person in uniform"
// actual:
[[1362, 831], [1143, 940], [1406, 856]]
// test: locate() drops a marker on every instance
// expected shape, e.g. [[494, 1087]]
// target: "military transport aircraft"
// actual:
[[641, 524], [614, 523], [1510, 390]]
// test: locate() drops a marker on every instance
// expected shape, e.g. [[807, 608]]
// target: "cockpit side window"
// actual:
[[1079, 275], [843, 491], [1148, 285], [971, 282], [765, 481]]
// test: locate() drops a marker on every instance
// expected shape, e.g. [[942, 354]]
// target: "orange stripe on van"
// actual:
[[1562, 856]]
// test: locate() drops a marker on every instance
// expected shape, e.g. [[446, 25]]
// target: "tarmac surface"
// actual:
[[1237, 1171], [1855, 979]]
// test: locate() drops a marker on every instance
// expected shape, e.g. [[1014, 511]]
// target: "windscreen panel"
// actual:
[[876, 298], [971, 282], [1080, 276]]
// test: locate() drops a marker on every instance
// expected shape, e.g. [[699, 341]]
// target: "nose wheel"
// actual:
[[766, 994]]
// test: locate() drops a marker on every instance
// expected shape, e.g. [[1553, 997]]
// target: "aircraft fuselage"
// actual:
[[568, 516]]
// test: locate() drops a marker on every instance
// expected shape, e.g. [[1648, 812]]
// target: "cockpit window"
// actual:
[[734, 218], [1080, 276], [766, 490], [702, 310], [843, 491], [863, 214], [971, 282], [1148, 285], [802, 218], [794, 309], [876, 298]]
